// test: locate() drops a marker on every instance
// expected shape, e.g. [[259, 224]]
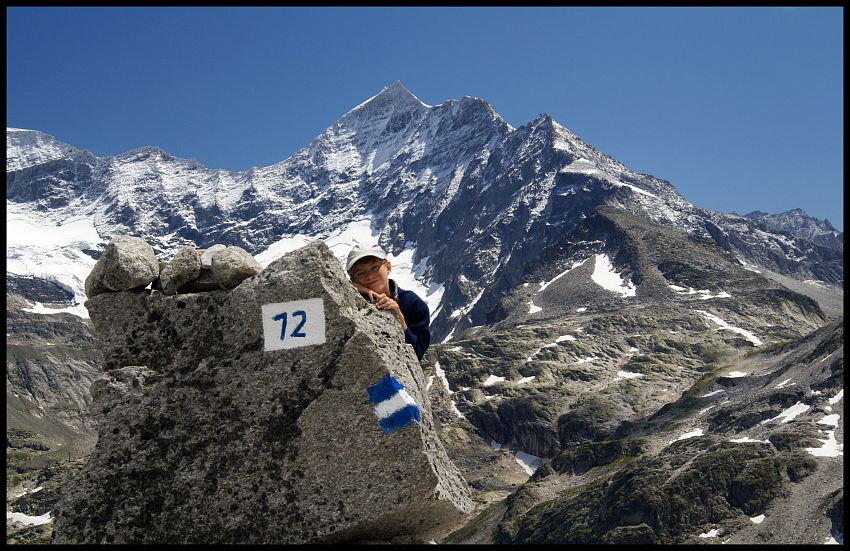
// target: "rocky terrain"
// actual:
[[743, 456], [610, 363], [51, 361], [625, 394], [33, 495]]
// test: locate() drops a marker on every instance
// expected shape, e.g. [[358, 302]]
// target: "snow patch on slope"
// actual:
[[50, 251], [606, 277]]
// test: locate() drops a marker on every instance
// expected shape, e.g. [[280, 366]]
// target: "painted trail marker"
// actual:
[[293, 324], [394, 407]]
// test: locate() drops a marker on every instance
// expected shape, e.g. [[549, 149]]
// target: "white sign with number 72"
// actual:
[[293, 324]]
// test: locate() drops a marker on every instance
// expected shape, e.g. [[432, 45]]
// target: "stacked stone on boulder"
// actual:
[[184, 267], [232, 265], [129, 263], [126, 263], [285, 410]]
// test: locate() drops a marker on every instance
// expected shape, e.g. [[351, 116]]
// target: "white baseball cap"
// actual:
[[362, 250]]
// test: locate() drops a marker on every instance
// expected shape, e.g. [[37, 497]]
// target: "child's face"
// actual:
[[373, 273]]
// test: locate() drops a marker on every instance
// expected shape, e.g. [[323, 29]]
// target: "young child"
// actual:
[[369, 270]]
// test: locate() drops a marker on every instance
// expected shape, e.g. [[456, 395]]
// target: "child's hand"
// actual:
[[383, 302]]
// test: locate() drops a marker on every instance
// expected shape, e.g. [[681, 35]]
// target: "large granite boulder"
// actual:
[[286, 410], [126, 263]]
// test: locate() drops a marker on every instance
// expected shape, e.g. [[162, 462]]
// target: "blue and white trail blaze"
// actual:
[[393, 405]]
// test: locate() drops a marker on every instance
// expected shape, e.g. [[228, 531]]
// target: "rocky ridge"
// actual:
[[796, 222], [586, 354]]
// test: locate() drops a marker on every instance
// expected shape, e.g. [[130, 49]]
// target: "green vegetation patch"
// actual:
[[801, 436], [475, 526], [662, 499], [582, 458]]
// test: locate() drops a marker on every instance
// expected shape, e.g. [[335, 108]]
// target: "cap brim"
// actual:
[[352, 261]]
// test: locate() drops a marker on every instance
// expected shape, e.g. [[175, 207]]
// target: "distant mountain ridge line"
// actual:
[[476, 197]]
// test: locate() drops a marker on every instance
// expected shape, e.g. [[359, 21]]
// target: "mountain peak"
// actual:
[[397, 91], [793, 213], [390, 97], [398, 86], [543, 117]]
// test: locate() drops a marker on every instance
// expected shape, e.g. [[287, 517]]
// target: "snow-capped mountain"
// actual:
[[797, 222], [470, 199], [584, 315]]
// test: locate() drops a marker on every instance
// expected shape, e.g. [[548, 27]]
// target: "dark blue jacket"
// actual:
[[416, 316]]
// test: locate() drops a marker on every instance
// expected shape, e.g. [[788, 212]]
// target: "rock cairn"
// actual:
[[284, 410], [129, 263]]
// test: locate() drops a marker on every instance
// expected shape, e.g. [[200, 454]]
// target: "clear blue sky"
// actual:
[[740, 108]]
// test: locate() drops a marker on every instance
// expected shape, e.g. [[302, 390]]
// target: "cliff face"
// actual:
[[51, 362], [285, 410]]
